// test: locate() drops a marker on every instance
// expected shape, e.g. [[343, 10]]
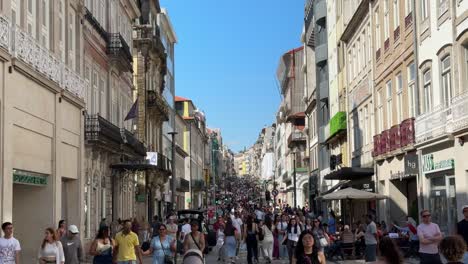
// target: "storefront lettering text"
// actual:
[[429, 165]]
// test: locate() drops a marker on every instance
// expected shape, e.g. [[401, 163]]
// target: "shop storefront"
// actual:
[[439, 188]]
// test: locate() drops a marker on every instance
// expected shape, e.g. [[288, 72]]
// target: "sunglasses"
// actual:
[[162, 229], [428, 215]]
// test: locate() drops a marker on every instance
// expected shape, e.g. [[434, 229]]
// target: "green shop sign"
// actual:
[[141, 198], [337, 123], [429, 165], [29, 178]]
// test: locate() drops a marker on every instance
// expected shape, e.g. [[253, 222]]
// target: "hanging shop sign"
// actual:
[[411, 164], [29, 178], [430, 166]]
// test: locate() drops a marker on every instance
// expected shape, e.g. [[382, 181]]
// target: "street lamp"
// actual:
[[294, 178], [173, 179]]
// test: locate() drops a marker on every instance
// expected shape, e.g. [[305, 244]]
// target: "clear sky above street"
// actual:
[[226, 59]]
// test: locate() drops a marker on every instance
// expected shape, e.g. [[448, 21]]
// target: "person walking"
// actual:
[[453, 248], [62, 229], [102, 246], [282, 227], [10, 247], [127, 246], [144, 229], [195, 239], [250, 236], [51, 250], [429, 237], [72, 249], [155, 226], [230, 241], [332, 223], [371, 238], [275, 238], [306, 251], [389, 252], [319, 234], [293, 233], [162, 246], [172, 227], [462, 230], [267, 239]]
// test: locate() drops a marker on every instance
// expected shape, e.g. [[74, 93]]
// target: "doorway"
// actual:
[[443, 201]]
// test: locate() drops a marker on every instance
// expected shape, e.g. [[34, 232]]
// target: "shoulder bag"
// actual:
[[167, 259]]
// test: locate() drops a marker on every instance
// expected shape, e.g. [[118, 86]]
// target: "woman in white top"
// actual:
[[294, 231], [267, 239], [51, 250]]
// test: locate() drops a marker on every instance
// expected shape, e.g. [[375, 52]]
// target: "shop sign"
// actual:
[[411, 164], [368, 187], [429, 165], [141, 198], [29, 178], [397, 175]]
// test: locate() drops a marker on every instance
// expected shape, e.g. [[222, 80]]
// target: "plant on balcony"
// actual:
[[337, 123]]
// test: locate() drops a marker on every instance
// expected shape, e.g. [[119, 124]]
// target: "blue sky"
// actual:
[[226, 59]]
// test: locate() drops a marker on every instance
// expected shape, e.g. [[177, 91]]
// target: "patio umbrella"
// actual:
[[352, 194]]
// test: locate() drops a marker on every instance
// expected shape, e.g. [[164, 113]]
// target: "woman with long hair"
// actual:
[[62, 229], [319, 233], [162, 246], [307, 251], [102, 247], [268, 239], [308, 224], [389, 252], [51, 250], [293, 233], [275, 238], [250, 236], [230, 240]]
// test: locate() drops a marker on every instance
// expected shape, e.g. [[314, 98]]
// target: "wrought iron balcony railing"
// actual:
[[27, 49], [155, 100], [119, 51]]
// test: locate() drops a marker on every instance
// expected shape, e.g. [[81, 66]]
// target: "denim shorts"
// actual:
[[371, 253]]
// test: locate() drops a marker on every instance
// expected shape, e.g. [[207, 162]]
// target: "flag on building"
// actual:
[[133, 111]]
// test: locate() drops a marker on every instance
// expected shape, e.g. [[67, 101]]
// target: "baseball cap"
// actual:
[[73, 229], [465, 207]]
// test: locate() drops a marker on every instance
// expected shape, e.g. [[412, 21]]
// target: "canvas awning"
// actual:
[[352, 194]]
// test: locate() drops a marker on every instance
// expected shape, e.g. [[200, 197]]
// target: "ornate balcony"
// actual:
[[297, 138], [119, 52], [337, 123], [460, 112], [155, 101], [396, 34], [387, 44], [409, 20], [397, 137], [25, 48], [182, 185], [198, 185], [377, 55], [433, 124]]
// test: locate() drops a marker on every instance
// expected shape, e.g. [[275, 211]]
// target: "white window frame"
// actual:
[[399, 92], [45, 23], [386, 20], [380, 115], [95, 91], [465, 48], [396, 14], [408, 7], [366, 130], [378, 31], [446, 80], [31, 19], [388, 90], [425, 7], [71, 46], [427, 91], [61, 28]]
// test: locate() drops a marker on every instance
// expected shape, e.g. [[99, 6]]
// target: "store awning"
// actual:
[[141, 167], [349, 173], [352, 194], [335, 187]]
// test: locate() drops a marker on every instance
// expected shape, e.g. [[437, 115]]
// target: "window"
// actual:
[[31, 17], [412, 93], [45, 23], [389, 109], [360, 129], [427, 91], [466, 62], [408, 7], [378, 38], [396, 14], [364, 50], [446, 81], [87, 76], [95, 93], [71, 40], [359, 64], [62, 26], [424, 9], [386, 20], [103, 104], [380, 111], [350, 59], [366, 129], [369, 50], [44, 13], [399, 91]]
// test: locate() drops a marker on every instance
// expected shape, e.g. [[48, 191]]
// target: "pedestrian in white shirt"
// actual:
[[294, 231], [51, 250], [186, 229], [9, 246]]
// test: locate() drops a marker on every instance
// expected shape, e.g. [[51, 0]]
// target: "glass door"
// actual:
[[438, 202]]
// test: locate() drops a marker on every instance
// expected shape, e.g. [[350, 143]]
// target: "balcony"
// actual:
[[182, 185], [395, 138], [96, 25], [387, 44], [433, 124], [409, 20], [460, 112], [156, 101], [297, 138], [148, 41], [198, 185], [26, 49], [100, 131], [407, 132], [396, 34], [119, 52], [321, 54], [377, 55], [337, 123]]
